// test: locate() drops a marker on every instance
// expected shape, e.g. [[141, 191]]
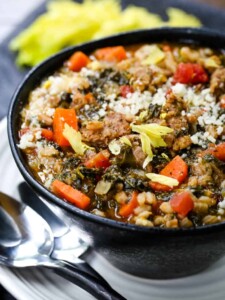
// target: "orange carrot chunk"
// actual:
[[100, 160], [177, 169], [62, 116], [111, 54], [78, 61], [70, 194], [47, 134], [219, 151], [128, 209], [160, 187], [182, 203]]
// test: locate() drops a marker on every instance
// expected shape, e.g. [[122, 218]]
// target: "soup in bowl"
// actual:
[[126, 134]]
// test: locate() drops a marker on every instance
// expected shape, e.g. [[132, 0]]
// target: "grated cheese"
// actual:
[[222, 204], [27, 141]]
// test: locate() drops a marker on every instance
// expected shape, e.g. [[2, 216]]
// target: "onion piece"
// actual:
[[103, 187]]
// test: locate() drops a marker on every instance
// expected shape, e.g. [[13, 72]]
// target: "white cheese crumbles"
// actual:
[[70, 82], [132, 104], [138, 101], [85, 72], [222, 204], [202, 139], [27, 141], [204, 101], [46, 178]]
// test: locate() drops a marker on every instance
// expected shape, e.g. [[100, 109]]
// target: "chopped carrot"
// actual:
[[100, 160], [160, 187], [89, 97], [62, 116], [166, 48], [47, 134], [111, 54], [219, 151], [182, 203], [70, 194], [177, 169], [216, 150], [128, 209], [78, 61]]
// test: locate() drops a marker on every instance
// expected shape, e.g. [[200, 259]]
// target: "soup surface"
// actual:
[[135, 134]]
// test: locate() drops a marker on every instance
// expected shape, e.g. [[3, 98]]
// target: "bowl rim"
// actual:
[[190, 34]]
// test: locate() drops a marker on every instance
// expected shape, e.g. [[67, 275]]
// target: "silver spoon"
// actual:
[[26, 240], [68, 244]]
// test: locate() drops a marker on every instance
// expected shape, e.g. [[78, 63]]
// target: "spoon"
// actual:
[[31, 243], [68, 243]]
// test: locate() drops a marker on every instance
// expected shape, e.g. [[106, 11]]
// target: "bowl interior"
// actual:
[[202, 37]]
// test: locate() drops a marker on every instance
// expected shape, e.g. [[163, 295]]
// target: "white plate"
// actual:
[[42, 284]]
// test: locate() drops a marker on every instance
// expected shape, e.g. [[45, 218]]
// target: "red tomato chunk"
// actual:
[[100, 160], [182, 203], [125, 90], [190, 74]]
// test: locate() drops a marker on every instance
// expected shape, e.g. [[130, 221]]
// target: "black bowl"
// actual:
[[147, 252]]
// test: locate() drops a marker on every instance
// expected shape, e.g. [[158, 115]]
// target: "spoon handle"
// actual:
[[96, 287]]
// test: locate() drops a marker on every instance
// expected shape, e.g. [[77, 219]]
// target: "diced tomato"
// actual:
[[100, 160], [78, 61], [125, 90], [177, 169], [190, 73], [127, 209], [182, 203]]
